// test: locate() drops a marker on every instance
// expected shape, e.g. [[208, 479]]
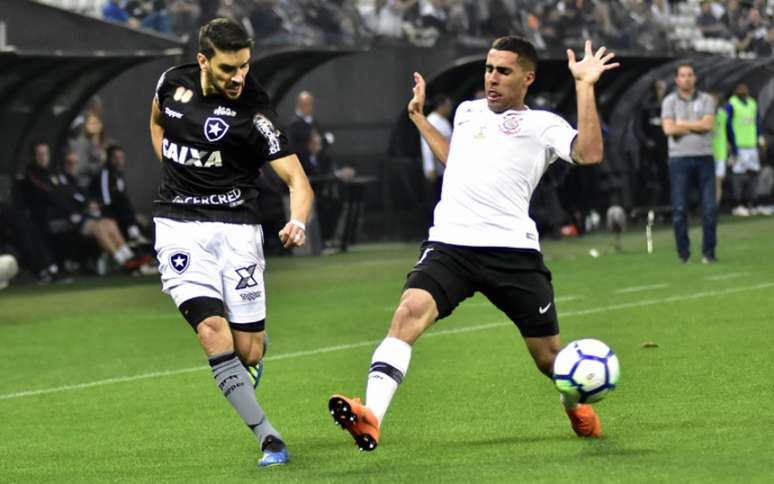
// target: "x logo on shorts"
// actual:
[[246, 277]]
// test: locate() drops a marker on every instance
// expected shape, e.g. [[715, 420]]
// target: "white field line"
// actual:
[[481, 304], [723, 277], [567, 298], [627, 290], [329, 349]]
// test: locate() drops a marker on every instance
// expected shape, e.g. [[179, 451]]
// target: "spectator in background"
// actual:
[[114, 12], [743, 139], [184, 17], [710, 25], [388, 18], [688, 118], [301, 127], [90, 146], [310, 144], [68, 220], [102, 227], [754, 34], [459, 24], [108, 187], [660, 12], [733, 18], [149, 14], [431, 166]]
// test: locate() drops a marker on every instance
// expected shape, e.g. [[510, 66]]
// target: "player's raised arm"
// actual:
[[438, 143], [588, 147], [156, 130], [289, 169]]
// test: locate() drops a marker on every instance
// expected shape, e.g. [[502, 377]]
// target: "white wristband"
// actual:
[[298, 224]]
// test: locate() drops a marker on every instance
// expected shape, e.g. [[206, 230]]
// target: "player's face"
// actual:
[[226, 71], [505, 81], [685, 78]]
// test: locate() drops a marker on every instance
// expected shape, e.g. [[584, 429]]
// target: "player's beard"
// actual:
[[213, 81]]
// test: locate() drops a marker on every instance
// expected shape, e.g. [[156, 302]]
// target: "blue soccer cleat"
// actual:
[[255, 373], [274, 458]]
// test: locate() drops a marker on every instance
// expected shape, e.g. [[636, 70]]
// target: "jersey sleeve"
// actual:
[[163, 87], [557, 136], [269, 141]]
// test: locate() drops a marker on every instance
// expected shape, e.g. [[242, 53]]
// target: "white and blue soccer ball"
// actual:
[[586, 370]]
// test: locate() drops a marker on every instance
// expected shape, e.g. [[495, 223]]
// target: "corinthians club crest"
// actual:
[[510, 124]]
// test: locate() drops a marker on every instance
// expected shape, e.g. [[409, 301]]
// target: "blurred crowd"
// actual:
[[70, 212], [731, 27]]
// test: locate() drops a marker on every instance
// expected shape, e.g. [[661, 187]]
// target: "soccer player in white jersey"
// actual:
[[482, 238]]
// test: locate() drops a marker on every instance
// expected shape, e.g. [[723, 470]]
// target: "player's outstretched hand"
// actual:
[[292, 235], [417, 103], [592, 66]]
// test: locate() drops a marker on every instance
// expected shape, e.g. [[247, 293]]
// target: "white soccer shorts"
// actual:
[[746, 160], [213, 259]]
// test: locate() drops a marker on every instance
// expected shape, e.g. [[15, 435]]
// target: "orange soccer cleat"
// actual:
[[585, 421], [355, 417]]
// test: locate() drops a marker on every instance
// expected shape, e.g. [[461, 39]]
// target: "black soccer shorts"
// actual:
[[516, 281]]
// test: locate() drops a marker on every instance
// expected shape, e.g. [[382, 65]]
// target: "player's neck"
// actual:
[[207, 88], [686, 94], [516, 107]]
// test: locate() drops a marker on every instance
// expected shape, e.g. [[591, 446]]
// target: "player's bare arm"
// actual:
[[588, 148], [438, 143], [156, 130], [289, 169]]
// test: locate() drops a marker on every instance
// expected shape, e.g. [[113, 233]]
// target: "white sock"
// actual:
[[570, 403], [389, 365]]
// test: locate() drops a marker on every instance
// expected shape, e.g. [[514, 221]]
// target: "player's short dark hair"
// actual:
[[684, 64], [528, 57], [223, 34]]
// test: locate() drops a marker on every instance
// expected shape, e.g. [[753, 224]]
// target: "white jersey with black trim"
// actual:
[[495, 162]]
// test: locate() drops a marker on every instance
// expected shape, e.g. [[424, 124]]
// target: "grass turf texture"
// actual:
[[473, 408]]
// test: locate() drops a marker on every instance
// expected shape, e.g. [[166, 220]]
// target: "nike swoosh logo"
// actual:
[[543, 310]]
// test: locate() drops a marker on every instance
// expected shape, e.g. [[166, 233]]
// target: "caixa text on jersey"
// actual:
[[232, 198], [190, 156]]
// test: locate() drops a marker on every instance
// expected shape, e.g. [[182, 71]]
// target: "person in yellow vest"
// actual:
[[743, 126], [720, 146]]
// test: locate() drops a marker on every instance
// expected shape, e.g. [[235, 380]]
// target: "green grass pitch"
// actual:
[[102, 380]]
